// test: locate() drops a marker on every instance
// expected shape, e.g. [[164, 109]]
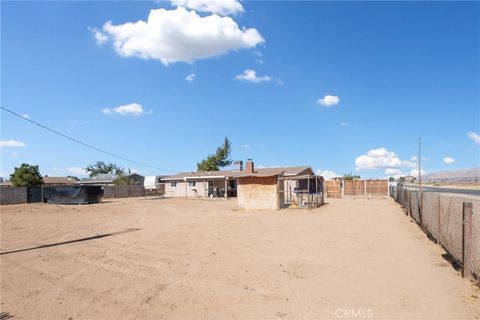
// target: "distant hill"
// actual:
[[454, 175]]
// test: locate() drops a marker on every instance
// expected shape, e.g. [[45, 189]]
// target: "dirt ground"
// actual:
[[204, 259]]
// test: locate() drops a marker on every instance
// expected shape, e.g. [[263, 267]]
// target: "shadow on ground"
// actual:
[[98, 236]]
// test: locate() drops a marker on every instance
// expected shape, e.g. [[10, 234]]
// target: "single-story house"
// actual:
[[109, 179], [201, 184], [263, 188], [48, 181], [7, 183]]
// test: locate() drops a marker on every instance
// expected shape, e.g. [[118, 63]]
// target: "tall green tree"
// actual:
[[220, 159], [350, 176], [100, 167], [124, 180], [26, 175]]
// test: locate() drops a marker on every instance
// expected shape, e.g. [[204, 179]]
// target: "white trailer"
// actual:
[[154, 185]]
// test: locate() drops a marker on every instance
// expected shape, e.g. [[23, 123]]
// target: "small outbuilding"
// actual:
[[275, 188]]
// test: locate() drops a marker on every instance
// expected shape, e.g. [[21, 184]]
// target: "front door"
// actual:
[[211, 189]]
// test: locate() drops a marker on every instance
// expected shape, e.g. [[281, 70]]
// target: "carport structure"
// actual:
[[305, 191]]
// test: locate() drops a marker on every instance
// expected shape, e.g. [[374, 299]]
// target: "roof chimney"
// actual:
[[249, 168]]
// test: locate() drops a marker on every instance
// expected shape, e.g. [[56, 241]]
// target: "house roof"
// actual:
[[101, 178], [302, 177], [105, 178], [222, 174], [7, 183], [58, 180]]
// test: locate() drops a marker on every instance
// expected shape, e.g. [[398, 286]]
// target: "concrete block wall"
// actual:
[[123, 191], [109, 192], [13, 195], [136, 191]]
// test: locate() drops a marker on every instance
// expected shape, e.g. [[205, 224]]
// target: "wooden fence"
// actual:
[[365, 187], [333, 188]]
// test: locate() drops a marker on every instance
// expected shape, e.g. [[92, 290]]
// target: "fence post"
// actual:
[[420, 208], [409, 204], [467, 239]]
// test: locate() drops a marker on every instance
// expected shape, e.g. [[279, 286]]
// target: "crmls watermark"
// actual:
[[350, 313]]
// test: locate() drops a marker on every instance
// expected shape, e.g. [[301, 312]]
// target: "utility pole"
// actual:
[[420, 169]]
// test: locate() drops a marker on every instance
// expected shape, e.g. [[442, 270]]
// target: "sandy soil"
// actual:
[[206, 259]]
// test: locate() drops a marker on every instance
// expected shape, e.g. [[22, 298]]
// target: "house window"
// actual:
[[173, 184], [159, 180], [192, 183]]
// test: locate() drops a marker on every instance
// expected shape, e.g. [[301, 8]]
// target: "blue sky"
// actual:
[[341, 86]]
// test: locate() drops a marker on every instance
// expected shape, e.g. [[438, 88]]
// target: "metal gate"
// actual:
[[34, 194]]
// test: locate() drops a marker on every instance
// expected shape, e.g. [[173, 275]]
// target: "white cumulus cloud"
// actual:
[[379, 158], [179, 35], [251, 76], [190, 77], [100, 37], [221, 7], [474, 136], [134, 109], [327, 174], [76, 171], [448, 160], [382, 158], [409, 163], [393, 172], [328, 101], [11, 144]]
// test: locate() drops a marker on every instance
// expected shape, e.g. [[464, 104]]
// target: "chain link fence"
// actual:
[[476, 237], [452, 221]]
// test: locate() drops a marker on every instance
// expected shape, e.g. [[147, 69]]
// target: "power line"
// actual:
[[83, 143]]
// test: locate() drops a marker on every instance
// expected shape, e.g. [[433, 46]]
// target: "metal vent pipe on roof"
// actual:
[[238, 165]]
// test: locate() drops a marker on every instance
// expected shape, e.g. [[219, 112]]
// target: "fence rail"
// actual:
[[452, 221]]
